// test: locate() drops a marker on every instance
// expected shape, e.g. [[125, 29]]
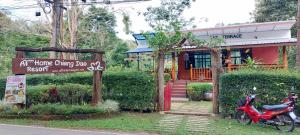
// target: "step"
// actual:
[[178, 86], [178, 92], [178, 95], [180, 89], [181, 83], [178, 99], [188, 113]]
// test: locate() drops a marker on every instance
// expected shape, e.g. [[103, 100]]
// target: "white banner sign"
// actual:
[[15, 91]]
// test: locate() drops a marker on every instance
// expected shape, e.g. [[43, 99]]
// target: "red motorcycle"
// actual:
[[281, 116]]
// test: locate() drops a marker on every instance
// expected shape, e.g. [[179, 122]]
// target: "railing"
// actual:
[[201, 74], [205, 74], [265, 66]]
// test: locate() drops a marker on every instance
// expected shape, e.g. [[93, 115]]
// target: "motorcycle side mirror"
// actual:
[[254, 88]]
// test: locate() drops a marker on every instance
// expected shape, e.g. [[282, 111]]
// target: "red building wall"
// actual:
[[266, 55]]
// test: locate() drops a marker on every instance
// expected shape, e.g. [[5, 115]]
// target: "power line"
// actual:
[[71, 4]]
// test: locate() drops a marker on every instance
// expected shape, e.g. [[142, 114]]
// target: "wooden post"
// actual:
[[191, 71], [173, 66], [20, 54], [284, 58], [229, 65], [97, 83], [216, 71]]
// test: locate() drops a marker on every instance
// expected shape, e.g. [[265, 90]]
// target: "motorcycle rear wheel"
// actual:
[[242, 117], [286, 123]]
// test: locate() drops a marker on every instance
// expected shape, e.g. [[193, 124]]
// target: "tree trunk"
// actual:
[[73, 31], [160, 80], [216, 71], [56, 20], [298, 38]]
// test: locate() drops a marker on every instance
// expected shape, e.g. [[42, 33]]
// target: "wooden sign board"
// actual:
[[40, 66]]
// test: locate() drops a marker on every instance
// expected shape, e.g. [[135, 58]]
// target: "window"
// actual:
[[202, 60], [236, 57]]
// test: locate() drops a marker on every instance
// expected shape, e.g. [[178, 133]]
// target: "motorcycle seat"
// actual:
[[275, 107]]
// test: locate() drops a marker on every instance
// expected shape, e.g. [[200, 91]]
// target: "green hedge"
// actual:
[[133, 90], [65, 94], [196, 90], [272, 87], [32, 80]]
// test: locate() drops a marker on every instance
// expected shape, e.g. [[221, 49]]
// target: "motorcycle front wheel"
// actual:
[[285, 123], [243, 117]]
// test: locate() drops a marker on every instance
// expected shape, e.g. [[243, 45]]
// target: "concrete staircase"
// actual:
[[179, 89]]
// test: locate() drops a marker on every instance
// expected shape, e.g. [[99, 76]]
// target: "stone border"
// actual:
[[61, 117]]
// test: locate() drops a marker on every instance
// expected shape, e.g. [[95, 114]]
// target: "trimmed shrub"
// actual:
[[196, 90], [272, 87], [133, 90], [62, 109], [38, 94], [74, 93], [66, 94], [167, 77]]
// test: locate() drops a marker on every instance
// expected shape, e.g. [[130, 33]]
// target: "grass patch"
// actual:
[[124, 122], [147, 122], [232, 127]]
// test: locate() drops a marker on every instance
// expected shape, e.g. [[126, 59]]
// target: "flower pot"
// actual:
[[208, 96]]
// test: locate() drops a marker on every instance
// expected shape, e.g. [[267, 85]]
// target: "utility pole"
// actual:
[[298, 38], [57, 17]]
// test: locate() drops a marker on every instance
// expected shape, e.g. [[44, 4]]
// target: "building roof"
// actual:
[[246, 28], [258, 34], [257, 42]]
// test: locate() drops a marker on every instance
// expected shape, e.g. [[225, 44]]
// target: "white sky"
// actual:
[[216, 11]]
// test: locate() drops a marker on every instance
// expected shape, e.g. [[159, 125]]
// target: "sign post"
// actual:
[[23, 65]]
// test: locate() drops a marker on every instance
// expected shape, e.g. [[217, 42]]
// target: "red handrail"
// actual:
[[167, 96]]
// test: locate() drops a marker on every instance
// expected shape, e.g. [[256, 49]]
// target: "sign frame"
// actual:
[[97, 70]]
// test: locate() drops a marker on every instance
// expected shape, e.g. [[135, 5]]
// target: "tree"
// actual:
[[274, 10], [97, 27], [165, 18], [168, 22], [118, 55]]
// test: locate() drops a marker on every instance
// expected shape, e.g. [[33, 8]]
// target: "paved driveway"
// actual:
[[6, 129]]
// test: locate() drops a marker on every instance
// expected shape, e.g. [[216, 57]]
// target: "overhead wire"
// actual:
[[70, 4]]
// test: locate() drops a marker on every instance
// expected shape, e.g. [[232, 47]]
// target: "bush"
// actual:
[[196, 90], [4, 107], [109, 106], [66, 94], [167, 77], [272, 87], [38, 94], [74, 93], [133, 90], [62, 109]]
